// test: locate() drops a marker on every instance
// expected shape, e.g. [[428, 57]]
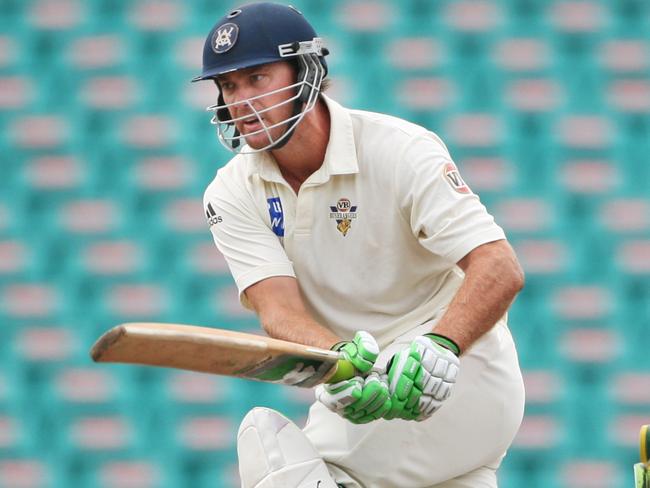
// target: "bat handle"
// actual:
[[644, 444], [344, 371]]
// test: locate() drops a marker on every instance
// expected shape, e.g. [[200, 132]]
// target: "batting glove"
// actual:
[[362, 351], [358, 399], [421, 377]]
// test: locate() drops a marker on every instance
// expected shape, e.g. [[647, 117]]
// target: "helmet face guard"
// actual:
[[256, 34], [303, 95]]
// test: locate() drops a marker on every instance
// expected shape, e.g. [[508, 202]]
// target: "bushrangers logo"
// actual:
[[224, 38], [344, 212], [452, 175]]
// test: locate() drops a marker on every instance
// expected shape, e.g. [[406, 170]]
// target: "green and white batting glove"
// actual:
[[421, 377], [362, 351], [359, 400]]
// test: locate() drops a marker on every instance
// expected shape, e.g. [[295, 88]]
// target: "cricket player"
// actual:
[[355, 231]]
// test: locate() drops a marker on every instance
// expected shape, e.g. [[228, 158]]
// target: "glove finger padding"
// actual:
[[359, 400], [339, 395], [420, 378], [374, 401], [362, 351]]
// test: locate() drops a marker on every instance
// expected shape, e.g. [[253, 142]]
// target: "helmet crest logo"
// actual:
[[224, 38]]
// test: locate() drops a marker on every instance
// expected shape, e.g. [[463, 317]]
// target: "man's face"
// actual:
[[243, 84]]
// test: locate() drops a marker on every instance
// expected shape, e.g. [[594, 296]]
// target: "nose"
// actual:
[[239, 107]]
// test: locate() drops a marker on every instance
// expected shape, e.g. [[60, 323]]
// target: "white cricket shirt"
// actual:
[[373, 236]]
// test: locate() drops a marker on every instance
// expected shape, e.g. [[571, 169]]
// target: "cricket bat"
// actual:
[[223, 352], [642, 469]]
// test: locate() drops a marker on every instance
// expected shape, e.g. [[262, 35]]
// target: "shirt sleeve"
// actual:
[[445, 216], [251, 249]]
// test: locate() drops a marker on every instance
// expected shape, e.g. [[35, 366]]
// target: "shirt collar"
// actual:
[[340, 155]]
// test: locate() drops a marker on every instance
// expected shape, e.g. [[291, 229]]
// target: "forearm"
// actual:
[[298, 326], [489, 288], [283, 314]]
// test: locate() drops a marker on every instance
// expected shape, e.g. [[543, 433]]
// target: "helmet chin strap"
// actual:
[[284, 138]]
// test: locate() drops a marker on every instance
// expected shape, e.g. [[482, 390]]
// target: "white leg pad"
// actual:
[[274, 453]]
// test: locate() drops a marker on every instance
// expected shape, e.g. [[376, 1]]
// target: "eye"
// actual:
[[257, 77], [227, 86]]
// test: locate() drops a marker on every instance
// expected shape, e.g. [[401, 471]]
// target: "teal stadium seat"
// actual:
[[190, 392], [144, 472], [100, 66], [630, 16], [627, 392], [622, 218], [423, 86], [156, 17], [490, 176], [530, 92], [79, 441], [198, 257], [39, 132], [51, 176], [624, 67], [29, 302], [20, 90], [528, 13], [529, 215], [225, 475], [196, 439], [13, 394], [83, 389], [586, 471], [19, 433], [359, 33], [110, 261], [130, 300], [20, 260], [152, 180], [109, 14], [541, 442], [537, 340], [576, 25], [470, 26], [198, 415], [45, 342], [79, 218], [32, 471], [197, 273], [216, 302]]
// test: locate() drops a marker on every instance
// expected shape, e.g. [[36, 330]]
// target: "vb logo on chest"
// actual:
[[344, 213]]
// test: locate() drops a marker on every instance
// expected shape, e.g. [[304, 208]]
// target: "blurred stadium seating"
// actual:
[[104, 153]]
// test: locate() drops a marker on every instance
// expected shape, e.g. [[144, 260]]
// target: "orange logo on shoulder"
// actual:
[[452, 175]]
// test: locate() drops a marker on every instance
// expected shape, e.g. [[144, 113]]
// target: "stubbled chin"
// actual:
[[257, 141]]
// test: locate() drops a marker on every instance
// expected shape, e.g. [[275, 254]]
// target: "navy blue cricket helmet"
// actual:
[[255, 34]]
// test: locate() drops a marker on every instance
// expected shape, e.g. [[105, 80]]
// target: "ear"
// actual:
[[223, 113]]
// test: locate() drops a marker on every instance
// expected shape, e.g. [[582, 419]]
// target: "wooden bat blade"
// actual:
[[217, 351]]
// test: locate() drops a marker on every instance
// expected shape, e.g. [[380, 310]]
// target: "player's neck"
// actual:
[[305, 152]]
